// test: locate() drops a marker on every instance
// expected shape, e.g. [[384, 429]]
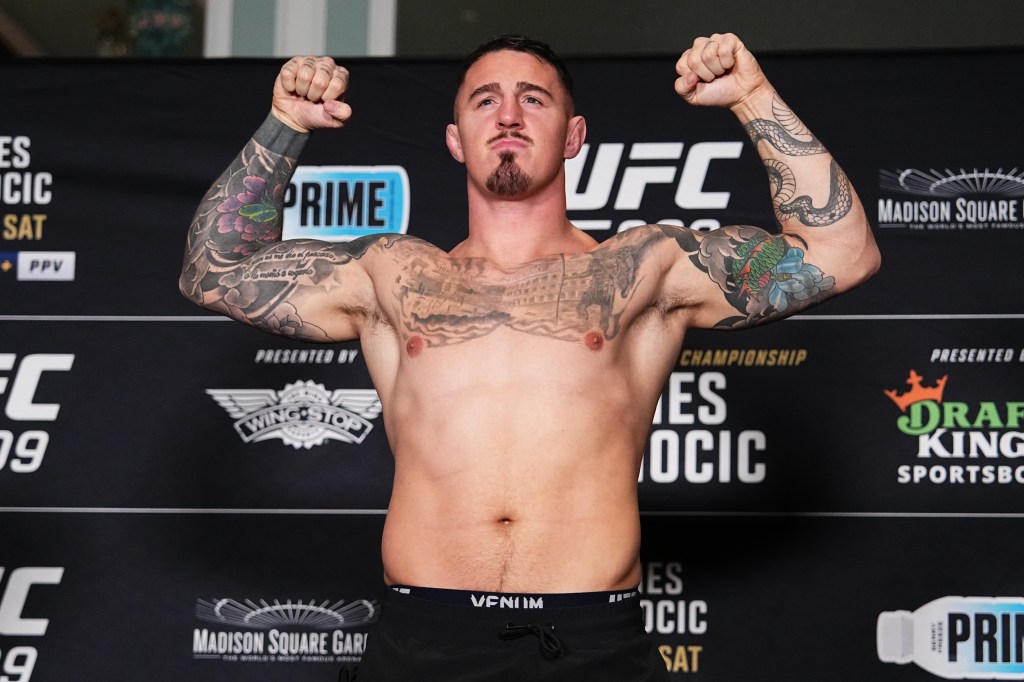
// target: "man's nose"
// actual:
[[510, 115]]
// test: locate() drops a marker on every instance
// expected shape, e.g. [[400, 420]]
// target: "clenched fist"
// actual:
[[718, 71], [309, 94]]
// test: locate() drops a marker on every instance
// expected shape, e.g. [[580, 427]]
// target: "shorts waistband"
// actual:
[[461, 623], [516, 600]]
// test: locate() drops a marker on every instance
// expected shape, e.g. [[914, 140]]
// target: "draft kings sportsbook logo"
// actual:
[[958, 443], [303, 414]]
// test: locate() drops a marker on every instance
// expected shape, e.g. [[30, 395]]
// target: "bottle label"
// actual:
[[958, 637]]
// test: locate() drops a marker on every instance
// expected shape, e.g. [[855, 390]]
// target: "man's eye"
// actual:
[[530, 99], [485, 101]]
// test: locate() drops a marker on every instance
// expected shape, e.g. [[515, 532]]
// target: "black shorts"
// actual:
[[455, 636]]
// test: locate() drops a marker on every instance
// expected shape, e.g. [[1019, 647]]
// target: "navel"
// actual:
[[415, 345], [594, 340]]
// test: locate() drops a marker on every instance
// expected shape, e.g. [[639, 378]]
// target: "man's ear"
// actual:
[[576, 134], [451, 137]]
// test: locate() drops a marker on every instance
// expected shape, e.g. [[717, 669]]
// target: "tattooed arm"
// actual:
[[235, 262], [826, 245]]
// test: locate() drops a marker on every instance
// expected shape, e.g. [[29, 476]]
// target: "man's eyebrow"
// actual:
[[521, 87], [526, 86], [485, 89]]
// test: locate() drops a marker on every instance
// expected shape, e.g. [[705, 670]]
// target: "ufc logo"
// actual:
[[692, 172], [21, 405], [14, 596]]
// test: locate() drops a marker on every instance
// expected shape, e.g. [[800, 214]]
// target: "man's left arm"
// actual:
[[826, 245]]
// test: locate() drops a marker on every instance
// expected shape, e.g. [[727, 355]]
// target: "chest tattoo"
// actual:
[[447, 301]]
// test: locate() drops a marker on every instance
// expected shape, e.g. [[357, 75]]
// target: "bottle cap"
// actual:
[[895, 636]]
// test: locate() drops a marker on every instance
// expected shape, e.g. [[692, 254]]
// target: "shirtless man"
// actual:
[[519, 373]]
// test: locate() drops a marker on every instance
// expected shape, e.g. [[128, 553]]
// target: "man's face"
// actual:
[[514, 127]]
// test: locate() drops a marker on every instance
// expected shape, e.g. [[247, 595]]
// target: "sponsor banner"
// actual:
[[723, 595], [214, 496], [675, 164], [777, 417]]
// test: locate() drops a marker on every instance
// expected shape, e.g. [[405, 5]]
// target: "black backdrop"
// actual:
[[145, 533]]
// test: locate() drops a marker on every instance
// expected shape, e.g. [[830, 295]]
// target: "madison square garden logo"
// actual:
[[957, 442], [263, 631], [974, 199]]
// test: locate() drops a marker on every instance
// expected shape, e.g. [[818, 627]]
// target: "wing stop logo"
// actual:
[[304, 414], [958, 442], [341, 203]]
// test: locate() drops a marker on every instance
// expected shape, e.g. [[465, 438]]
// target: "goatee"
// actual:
[[508, 179]]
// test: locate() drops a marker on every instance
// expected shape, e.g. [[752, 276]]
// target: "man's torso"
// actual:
[[517, 403]]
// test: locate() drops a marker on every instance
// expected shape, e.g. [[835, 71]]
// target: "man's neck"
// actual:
[[510, 232]]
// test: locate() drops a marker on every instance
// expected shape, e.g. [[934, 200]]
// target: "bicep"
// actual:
[[740, 276], [304, 289]]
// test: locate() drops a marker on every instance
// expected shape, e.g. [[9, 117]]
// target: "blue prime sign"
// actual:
[[340, 203]]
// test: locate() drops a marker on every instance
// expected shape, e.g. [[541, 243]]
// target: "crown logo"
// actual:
[[917, 392]]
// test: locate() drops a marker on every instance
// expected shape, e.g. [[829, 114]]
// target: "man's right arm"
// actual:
[[235, 263]]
